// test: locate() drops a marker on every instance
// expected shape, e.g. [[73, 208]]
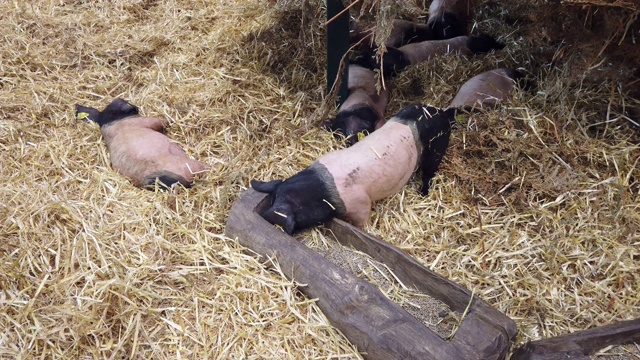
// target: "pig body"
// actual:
[[345, 182], [486, 89], [363, 110], [139, 149], [449, 18], [397, 59]]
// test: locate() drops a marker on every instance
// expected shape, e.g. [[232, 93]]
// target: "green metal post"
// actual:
[[337, 46]]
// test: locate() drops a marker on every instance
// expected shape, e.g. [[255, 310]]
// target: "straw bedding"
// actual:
[[536, 208]]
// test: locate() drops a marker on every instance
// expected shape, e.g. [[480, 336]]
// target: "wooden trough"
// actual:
[[580, 344], [380, 328]]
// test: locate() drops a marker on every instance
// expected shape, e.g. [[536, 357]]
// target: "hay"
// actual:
[[536, 208]]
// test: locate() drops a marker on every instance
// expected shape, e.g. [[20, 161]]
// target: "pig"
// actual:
[[139, 149], [449, 18], [396, 60], [344, 183], [363, 110], [487, 89]]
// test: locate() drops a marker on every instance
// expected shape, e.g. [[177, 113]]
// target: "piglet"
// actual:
[[487, 89], [345, 182], [396, 60], [138, 147], [363, 110]]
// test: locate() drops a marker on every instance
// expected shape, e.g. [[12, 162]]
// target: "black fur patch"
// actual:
[[306, 199], [350, 122], [117, 110], [394, 61], [434, 129], [447, 26], [521, 80], [483, 44]]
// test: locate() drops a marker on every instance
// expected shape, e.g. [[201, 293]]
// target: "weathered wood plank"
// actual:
[[580, 344], [376, 325], [498, 329]]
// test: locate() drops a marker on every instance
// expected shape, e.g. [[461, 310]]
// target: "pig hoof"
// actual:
[[165, 181]]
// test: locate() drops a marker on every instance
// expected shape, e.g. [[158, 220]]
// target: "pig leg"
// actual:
[[196, 166], [358, 213], [434, 150]]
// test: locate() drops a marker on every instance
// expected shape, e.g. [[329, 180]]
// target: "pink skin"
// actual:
[[372, 169], [425, 50], [362, 90], [485, 89], [138, 148]]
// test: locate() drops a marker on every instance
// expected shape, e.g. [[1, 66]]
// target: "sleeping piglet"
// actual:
[[345, 182], [138, 148], [487, 89], [397, 59], [363, 110], [449, 18]]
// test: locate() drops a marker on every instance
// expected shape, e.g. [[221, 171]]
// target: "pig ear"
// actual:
[[265, 187], [328, 124], [86, 113]]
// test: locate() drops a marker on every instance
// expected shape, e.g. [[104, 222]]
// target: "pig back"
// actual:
[[380, 165], [137, 151], [485, 89], [422, 51]]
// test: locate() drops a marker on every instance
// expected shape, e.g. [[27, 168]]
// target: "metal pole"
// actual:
[[337, 46]]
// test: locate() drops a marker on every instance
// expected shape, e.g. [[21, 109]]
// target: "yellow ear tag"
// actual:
[[361, 135], [460, 118], [82, 115]]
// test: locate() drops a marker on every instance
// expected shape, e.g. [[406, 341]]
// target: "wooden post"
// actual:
[[337, 46], [580, 344], [380, 328]]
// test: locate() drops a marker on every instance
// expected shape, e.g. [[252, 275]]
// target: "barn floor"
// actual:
[[536, 209]]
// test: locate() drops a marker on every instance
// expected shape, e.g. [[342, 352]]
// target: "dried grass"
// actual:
[[536, 208]]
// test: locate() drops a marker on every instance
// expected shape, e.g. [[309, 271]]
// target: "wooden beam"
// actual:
[[498, 330], [580, 344], [380, 328]]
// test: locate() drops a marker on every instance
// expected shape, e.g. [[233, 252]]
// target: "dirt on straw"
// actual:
[[536, 208]]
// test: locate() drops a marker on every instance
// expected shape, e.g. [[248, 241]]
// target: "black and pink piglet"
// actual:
[[344, 183]]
